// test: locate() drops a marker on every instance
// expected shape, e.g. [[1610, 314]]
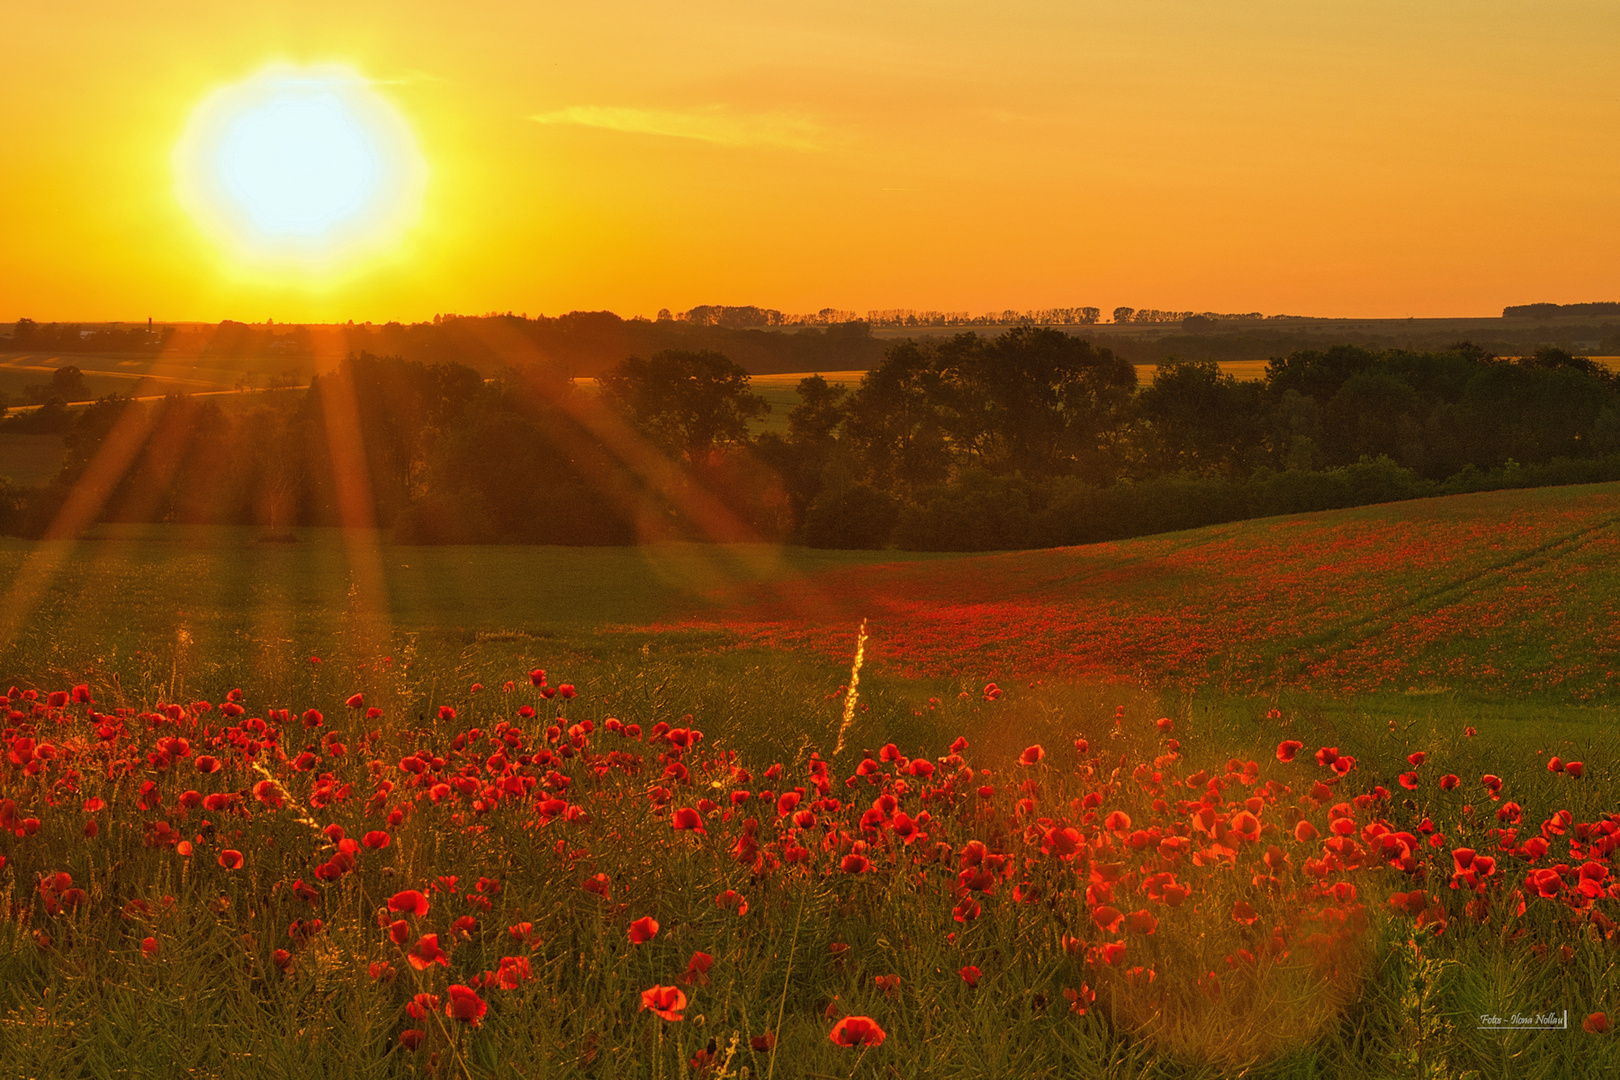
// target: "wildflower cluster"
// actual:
[[1172, 893]]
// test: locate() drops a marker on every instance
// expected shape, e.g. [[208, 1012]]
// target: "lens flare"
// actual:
[[306, 168]]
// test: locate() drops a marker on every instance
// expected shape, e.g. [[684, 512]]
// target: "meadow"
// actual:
[[1304, 796]]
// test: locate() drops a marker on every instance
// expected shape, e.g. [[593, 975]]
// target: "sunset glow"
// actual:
[[1368, 160], [303, 167]]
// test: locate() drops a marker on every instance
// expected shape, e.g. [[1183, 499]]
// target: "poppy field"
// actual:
[[518, 887], [654, 842], [1488, 595]]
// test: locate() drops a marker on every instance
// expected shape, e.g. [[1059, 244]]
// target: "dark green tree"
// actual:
[[1200, 421], [801, 459], [688, 403]]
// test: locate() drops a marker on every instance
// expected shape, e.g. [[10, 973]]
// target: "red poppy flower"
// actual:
[[1575, 768], [857, 1031], [465, 1005], [513, 971], [731, 900], [376, 839], [1141, 922], [1107, 918], [697, 970], [1288, 748], [687, 818], [1031, 756], [355, 701], [409, 902], [643, 930], [230, 858], [971, 975], [854, 864], [1409, 781], [1596, 1023], [763, 1044], [411, 1038], [889, 984], [1305, 831], [426, 952], [1449, 782], [1545, 882], [598, 884], [664, 1001], [269, 793], [1242, 912], [149, 947]]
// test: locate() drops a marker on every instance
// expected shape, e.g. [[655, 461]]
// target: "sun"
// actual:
[[300, 167]]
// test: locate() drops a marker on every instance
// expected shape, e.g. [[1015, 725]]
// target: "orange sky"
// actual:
[[1301, 156]]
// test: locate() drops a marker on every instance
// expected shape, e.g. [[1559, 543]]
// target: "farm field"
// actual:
[[145, 375], [1274, 798], [1499, 592]]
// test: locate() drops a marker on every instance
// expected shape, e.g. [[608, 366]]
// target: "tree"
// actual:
[[1032, 400], [800, 460], [1199, 420], [688, 403], [1123, 314], [67, 384]]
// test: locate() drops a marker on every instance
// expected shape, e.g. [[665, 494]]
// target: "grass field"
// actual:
[[1153, 892]]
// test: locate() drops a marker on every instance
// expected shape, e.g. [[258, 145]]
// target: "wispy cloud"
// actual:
[[712, 124]]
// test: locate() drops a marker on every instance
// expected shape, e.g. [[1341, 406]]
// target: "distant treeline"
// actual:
[[1606, 309], [765, 341], [582, 344], [1033, 437], [28, 335]]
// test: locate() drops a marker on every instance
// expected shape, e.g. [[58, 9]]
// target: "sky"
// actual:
[[1313, 157]]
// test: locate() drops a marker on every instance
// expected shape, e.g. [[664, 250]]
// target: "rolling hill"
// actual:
[[1511, 592]]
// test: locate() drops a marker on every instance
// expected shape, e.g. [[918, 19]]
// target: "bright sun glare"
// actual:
[[305, 167]]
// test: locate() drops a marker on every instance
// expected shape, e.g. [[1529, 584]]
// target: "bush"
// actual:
[[856, 516], [980, 512]]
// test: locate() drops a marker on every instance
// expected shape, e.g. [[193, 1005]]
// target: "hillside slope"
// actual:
[[1514, 592]]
